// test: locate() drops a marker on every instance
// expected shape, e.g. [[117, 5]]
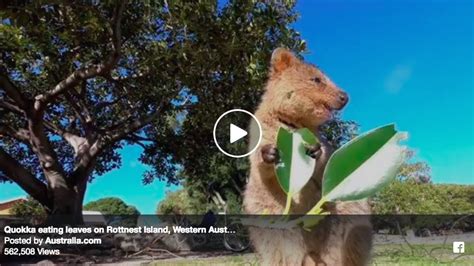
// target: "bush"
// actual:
[[117, 212], [411, 197], [30, 209], [422, 206], [180, 202]]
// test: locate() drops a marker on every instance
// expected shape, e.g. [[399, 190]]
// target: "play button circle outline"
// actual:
[[259, 131]]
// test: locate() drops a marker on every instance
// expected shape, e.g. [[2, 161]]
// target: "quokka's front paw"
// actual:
[[270, 153], [314, 151]]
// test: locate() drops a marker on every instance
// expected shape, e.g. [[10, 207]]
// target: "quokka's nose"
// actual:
[[343, 99]]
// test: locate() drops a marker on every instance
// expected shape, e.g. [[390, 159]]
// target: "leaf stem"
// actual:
[[288, 204], [317, 208]]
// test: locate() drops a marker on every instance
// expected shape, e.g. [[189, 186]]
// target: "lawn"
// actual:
[[382, 255], [435, 254]]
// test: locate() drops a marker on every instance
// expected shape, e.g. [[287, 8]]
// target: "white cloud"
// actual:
[[398, 78]]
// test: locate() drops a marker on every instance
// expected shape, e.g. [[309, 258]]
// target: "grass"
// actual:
[[247, 259], [387, 255], [435, 254]]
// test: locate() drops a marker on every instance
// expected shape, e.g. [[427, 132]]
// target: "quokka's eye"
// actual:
[[316, 79]]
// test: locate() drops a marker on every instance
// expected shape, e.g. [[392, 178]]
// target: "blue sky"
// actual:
[[409, 62]]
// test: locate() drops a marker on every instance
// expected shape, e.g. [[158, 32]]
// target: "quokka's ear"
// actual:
[[282, 59]]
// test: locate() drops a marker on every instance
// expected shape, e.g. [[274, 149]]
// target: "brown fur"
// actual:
[[299, 95]]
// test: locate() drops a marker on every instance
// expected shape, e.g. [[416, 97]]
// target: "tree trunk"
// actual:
[[67, 201]]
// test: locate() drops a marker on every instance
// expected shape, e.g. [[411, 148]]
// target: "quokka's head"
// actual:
[[300, 93]]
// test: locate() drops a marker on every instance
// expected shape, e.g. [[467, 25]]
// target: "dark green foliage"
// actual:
[[229, 51], [179, 202], [30, 209], [115, 210], [184, 202], [111, 206], [421, 206], [411, 197], [338, 131], [104, 74]]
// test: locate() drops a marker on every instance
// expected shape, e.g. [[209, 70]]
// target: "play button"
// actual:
[[237, 133]]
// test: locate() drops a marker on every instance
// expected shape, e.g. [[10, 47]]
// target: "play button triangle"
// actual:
[[236, 133]]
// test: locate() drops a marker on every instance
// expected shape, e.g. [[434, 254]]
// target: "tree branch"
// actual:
[[5, 104], [133, 126], [21, 134], [119, 84], [136, 141], [76, 108], [86, 159], [74, 140], [79, 75], [120, 124], [140, 144], [84, 164], [71, 81], [13, 92], [18, 174], [41, 146], [104, 104], [140, 138], [117, 31], [82, 113], [54, 128]]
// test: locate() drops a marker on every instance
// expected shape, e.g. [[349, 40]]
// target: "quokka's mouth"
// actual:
[[326, 111], [333, 107], [327, 107]]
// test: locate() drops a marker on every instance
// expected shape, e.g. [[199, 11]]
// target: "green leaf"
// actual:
[[364, 165], [295, 167], [283, 168]]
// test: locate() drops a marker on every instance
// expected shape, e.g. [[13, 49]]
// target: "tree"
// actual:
[[115, 210], [248, 33], [414, 205], [179, 202], [184, 201], [412, 197], [401, 196], [417, 171], [80, 80], [338, 131], [30, 208], [111, 206]]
